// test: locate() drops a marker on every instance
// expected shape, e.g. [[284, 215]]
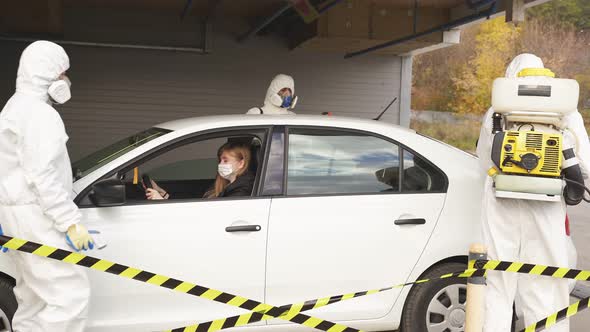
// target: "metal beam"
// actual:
[[477, 4], [107, 45], [209, 21], [264, 23], [329, 6], [450, 37], [443, 27], [501, 6], [288, 5]]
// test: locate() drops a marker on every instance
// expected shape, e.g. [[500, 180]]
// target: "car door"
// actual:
[[356, 214], [190, 239]]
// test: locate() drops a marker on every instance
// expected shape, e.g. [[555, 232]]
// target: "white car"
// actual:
[[339, 205]]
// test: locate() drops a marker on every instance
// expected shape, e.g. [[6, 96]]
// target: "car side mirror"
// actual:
[[108, 192]]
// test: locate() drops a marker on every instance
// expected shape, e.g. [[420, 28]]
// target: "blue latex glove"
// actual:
[[1, 247]]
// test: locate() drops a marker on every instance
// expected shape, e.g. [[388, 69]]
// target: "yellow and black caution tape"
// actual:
[[480, 267], [548, 271], [260, 311], [533, 269], [174, 284], [291, 310], [562, 314]]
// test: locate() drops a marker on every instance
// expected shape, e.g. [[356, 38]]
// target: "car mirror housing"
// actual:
[[109, 192]]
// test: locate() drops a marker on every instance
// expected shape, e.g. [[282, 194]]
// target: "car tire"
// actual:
[[438, 302], [8, 305]]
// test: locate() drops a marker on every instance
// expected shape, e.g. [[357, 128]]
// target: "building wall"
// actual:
[[117, 92]]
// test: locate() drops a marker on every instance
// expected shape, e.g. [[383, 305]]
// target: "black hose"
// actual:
[[580, 185], [573, 195]]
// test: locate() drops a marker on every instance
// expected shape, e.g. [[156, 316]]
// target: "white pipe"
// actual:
[[111, 45]]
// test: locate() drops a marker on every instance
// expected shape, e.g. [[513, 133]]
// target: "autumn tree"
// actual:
[[495, 45]]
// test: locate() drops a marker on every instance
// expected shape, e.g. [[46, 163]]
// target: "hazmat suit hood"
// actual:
[[280, 82], [523, 61], [41, 64]]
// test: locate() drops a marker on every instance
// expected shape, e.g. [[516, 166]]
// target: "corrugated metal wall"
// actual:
[[120, 91]]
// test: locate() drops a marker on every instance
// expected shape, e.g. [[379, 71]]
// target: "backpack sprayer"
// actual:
[[532, 160]]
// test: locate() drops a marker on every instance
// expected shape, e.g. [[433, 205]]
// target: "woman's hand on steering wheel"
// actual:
[[152, 194], [158, 188]]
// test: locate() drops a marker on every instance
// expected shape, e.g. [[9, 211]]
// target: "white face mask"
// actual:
[[59, 91], [225, 170]]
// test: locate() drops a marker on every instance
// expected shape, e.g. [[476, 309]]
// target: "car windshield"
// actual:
[[103, 156]]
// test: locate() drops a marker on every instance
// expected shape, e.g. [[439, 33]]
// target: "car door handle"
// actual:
[[412, 221], [243, 228]]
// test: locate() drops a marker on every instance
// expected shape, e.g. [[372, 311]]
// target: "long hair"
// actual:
[[240, 151]]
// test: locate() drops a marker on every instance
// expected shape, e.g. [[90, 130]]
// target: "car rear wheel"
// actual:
[[8, 305], [438, 305]]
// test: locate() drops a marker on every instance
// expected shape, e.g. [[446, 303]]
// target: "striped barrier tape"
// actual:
[[480, 267], [562, 314], [171, 283], [533, 269], [291, 310], [261, 311], [548, 271]]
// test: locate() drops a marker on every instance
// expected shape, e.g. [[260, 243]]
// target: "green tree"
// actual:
[[563, 12], [495, 45], [459, 78]]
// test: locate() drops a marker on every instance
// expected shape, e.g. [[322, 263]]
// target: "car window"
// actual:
[[103, 156], [187, 171], [193, 161], [420, 176], [340, 162], [273, 180]]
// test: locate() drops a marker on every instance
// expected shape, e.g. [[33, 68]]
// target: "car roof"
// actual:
[[300, 120]]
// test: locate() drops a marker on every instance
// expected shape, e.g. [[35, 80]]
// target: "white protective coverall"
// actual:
[[525, 231], [280, 82], [36, 197]]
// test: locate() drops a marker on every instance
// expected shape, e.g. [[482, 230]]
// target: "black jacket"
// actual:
[[241, 187]]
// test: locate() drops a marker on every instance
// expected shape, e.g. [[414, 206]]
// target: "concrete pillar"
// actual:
[[405, 94], [515, 11]]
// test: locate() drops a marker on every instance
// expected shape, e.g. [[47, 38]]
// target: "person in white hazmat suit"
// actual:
[[526, 231], [280, 97], [36, 195]]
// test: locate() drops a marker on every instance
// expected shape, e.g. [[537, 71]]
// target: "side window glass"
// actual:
[[340, 162], [190, 171], [273, 181], [420, 176]]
